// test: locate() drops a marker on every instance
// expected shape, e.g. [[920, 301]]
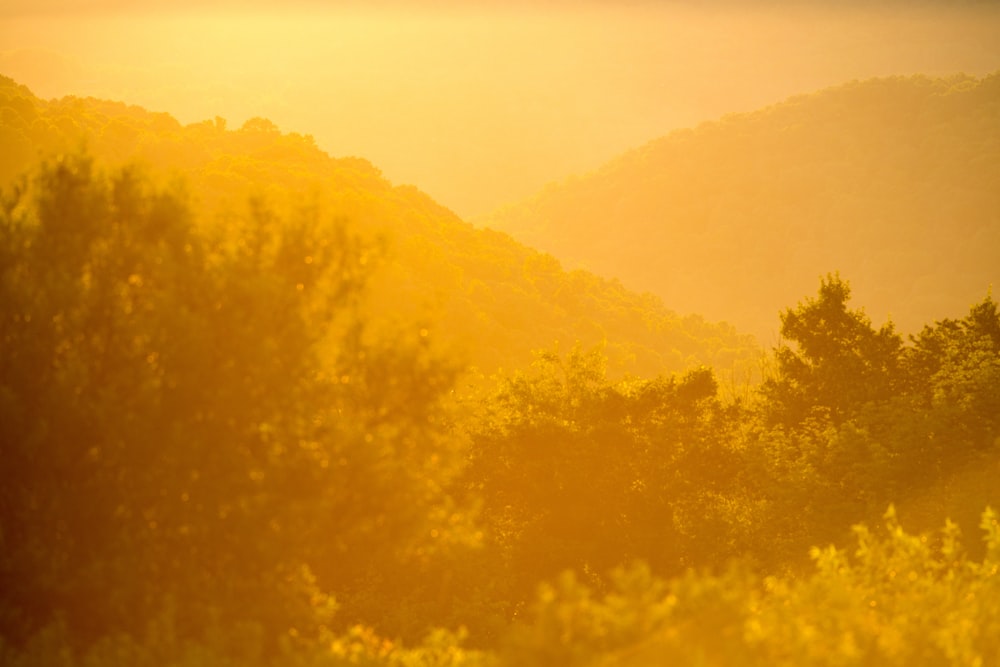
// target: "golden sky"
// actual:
[[478, 103]]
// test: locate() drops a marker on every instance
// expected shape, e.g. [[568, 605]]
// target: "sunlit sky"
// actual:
[[478, 103]]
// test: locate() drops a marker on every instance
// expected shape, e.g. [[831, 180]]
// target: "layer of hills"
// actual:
[[488, 300], [207, 462], [894, 182]]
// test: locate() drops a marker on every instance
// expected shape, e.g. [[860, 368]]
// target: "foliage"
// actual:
[[841, 362], [196, 425], [853, 419], [357, 645], [897, 599], [491, 300], [230, 436], [576, 472]]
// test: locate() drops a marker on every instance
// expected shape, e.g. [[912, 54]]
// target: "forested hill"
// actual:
[[230, 437], [894, 182], [488, 300]]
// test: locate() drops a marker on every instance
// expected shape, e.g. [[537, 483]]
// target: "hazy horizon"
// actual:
[[478, 105]]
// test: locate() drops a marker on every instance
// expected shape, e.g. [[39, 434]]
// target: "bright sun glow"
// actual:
[[482, 105]]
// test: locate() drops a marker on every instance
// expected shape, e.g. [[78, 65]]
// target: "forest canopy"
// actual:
[[492, 300], [207, 453], [232, 435]]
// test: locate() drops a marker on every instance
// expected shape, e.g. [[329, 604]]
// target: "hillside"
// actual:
[[487, 300], [895, 183], [236, 431]]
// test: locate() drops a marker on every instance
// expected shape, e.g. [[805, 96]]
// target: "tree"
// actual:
[[839, 363], [953, 376], [577, 472], [193, 419]]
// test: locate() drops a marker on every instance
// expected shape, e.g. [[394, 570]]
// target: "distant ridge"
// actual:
[[893, 182], [485, 299]]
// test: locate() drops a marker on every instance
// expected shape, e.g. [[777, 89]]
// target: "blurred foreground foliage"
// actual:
[[895, 598]]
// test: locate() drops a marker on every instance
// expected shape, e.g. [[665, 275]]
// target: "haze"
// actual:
[[483, 104]]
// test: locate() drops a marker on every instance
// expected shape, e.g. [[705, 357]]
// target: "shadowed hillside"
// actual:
[[893, 182], [491, 300]]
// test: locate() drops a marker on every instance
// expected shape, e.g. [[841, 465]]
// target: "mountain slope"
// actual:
[[487, 300], [895, 183]]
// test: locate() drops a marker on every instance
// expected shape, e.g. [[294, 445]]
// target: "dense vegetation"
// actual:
[[895, 182], [219, 449], [492, 301]]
